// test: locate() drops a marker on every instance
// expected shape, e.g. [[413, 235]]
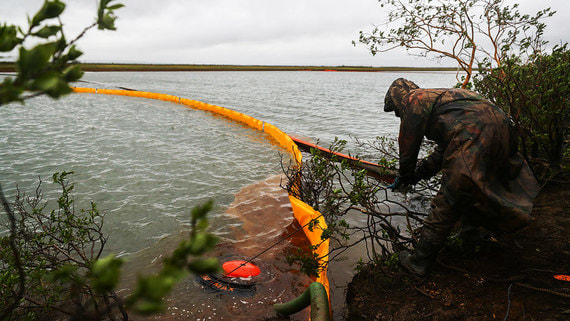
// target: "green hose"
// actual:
[[315, 296]]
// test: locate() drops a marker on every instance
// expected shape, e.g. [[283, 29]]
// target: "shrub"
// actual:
[[51, 264], [535, 94], [55, 250]]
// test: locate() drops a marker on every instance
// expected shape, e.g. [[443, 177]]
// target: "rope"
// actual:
[[267, 249], [512, 280], [106, 85], [563, 295], [508, 302], [515, 278]]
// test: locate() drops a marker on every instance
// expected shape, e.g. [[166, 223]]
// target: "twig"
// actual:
[[508, 302], [511, 279], [424, 293], [562, 295], [17, 260], [486, 278], [40, 304]]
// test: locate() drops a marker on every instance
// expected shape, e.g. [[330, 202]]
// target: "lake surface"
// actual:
[[318, 105], [149, 162]]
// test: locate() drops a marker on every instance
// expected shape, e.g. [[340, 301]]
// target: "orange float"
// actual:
[[240, 269]]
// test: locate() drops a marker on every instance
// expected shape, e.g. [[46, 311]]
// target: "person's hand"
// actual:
[[394, 185], [402, 187]]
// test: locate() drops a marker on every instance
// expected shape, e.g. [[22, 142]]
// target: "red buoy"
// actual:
[[240, 269]]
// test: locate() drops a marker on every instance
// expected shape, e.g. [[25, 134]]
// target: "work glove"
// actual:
[[394, 185], [403, 185]]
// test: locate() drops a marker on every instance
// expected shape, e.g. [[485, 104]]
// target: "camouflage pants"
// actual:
[[440, 221], [443, 217]]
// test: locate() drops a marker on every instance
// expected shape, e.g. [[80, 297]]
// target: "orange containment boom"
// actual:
[[303, 213], [376, 170]]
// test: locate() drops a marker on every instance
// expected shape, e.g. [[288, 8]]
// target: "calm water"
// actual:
[[149, 162]]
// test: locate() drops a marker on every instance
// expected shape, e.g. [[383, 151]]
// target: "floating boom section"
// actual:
[[303, 212]]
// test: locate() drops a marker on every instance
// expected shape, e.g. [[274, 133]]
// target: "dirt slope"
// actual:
[[510, 280]]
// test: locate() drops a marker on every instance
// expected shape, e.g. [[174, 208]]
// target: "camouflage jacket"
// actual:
[[475, 151]]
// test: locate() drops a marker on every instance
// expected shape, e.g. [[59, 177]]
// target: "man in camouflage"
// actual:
[[485, 181]]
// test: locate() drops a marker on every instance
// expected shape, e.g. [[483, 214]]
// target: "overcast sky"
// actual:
[[259, 32]]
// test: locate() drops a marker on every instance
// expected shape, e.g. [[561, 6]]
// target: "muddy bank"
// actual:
[[510, 280]]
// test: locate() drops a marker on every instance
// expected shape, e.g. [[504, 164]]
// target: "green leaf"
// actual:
[[156, 287], [9, 92], [53, 9], [115, 7], [107, 22], [200, 212], [73, 53], [47, 31], [50, 9], [150, 291], [66, 273], [201, 243], [59, 88], [72, 73], [46, 82], [105, 273], [105, 15], [32, 62], [204, 266], [8, 38]]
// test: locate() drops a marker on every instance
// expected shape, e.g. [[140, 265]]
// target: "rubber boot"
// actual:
[[419, 263], [473, 236]]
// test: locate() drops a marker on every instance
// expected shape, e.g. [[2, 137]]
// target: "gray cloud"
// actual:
[[300, 32]]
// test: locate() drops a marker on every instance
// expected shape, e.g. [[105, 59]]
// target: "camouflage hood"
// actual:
[[399, 88]]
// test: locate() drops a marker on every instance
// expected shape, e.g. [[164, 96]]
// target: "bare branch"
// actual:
[[477, 30]]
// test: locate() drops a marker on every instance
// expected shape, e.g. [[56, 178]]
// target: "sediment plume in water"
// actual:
[[266, 217]]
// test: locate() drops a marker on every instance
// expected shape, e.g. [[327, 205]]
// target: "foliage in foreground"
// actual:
[[50, 263], [54, 248], [45, 68], [57, 268]]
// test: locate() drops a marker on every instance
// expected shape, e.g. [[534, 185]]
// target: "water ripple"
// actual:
[[139, 158], [147, 163]]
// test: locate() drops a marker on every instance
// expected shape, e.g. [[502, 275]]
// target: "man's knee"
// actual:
[[440, 221]]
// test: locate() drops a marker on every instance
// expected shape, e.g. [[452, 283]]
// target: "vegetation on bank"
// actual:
[[11, 67], [534, 93], [516, 73]]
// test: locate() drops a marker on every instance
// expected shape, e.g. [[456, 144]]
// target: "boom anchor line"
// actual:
[[244, 263]]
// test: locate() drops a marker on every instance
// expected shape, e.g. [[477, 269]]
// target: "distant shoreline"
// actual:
[[10, 67]]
